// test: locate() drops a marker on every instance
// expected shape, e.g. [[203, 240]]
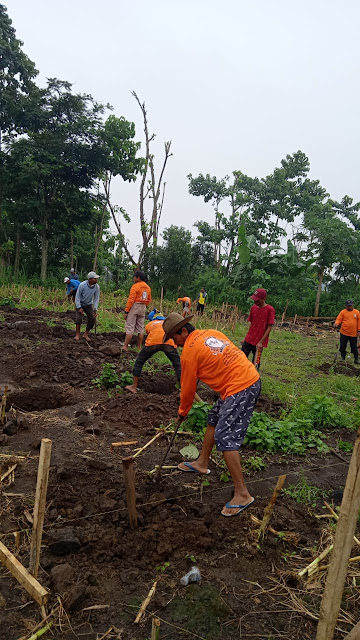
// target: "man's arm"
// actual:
[[131, 299], [338, 320], [77, 298], [266, 334], [188, 386]]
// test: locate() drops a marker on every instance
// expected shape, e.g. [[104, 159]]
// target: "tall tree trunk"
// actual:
[[17, 251], [318, 294], [99, 238], [72, 248], [44, 250]]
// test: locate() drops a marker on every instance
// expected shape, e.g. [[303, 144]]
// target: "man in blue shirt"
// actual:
[[87, 301], [71, 288]]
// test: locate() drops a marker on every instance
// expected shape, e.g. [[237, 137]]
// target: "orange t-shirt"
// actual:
[[210, 356], [184, 299], [350, 322], [139, 292], [155, 333]]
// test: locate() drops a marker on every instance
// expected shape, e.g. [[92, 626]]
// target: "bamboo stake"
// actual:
[[129, 478], [40, 504], [124, 444], [313, 566], [32, 586], [333, 513], [41, 632], [326, 566], [3, 404], [155, 629], [8, 472], [270, 507], [345, 530], [145, 603], [160, 433]]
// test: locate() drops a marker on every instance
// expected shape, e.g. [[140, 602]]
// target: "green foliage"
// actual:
[[126, 378], [162, 567], [196, 420], [191, 557], [322, 411], [345, 446], [253, 463], [225, 476], [304, 492], [7, 302], [108, 378], [288, 435]]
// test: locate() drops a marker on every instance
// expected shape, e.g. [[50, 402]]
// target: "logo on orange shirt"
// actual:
[[215, 345]]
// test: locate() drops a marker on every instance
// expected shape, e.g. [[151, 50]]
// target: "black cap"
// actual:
[[348, 302]]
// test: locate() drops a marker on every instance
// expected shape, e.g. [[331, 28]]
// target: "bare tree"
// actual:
[[151, 188]]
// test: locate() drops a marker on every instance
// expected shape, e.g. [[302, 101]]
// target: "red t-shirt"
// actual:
[[260, 318]]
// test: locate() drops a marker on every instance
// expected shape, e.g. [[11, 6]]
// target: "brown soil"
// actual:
[[90, 556], [345, 368]]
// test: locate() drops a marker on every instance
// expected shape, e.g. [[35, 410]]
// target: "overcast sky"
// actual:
[[236, 85]]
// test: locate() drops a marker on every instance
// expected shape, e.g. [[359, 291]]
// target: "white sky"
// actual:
[[236, 85]]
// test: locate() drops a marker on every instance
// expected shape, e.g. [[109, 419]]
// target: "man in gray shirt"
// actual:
[[87, 301]]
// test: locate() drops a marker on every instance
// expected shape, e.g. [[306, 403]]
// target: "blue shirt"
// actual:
[[87, 294], [73, 284]]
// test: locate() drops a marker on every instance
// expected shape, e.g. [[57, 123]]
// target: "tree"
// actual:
[[170, 264]]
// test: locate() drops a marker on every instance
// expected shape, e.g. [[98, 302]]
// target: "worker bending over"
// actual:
[[184, 300], [210, 356], [153, 344]]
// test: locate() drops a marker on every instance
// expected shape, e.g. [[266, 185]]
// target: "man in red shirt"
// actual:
[[262, 320]]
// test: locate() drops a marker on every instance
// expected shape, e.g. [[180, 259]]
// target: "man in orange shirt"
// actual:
[[139, 298], [153, 344], [349, 322], [184, 300], [210, 356]]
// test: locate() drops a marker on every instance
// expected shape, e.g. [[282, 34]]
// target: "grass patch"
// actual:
[[304, 492]]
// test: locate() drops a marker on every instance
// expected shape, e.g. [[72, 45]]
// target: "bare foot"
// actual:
[[86, 337], [125, 349], [131, 388], [77, 338], [242, 501], [196, 465]]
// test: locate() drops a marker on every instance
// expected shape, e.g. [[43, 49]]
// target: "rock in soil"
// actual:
[[75, 597], [10, 429], [62, 576], [63, 541], [110, 349]]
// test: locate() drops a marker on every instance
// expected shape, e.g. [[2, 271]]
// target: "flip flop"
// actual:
[[192, 469], [242, 508]]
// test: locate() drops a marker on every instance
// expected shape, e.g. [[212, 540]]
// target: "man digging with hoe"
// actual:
[[209, 356], [87, 301]]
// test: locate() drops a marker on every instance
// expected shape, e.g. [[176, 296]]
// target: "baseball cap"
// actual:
[[349, 302], [66, 279], [92, 274], [260, 294]]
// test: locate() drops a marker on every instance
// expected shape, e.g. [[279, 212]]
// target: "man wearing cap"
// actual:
[[349, 322], [87, 301], [153, 344], [73, 275], [210, 356], [72, 285], [139, 298], [262, 320]]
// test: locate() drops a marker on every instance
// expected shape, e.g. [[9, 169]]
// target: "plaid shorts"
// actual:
[[231, 417]]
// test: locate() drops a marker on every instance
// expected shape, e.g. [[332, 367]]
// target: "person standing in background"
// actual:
[[201, 301], [262, 320], [139, 298], [87, 301], [349, 322]]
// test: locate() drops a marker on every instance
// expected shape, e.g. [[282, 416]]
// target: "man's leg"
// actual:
[[89, 311], [241, 494], [78, 322], [343, 343], [129, 328], [140, 323], [174, 358], [140, 340], [144, 355], [201, 464], [354, 348], [248, 348]]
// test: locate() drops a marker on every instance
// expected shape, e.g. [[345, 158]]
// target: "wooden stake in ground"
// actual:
[[155, 629], [354, 633], [3, 404], [40, 504], [32, 586], [145, 603], [129, 478], [344, 537], [270, 507]]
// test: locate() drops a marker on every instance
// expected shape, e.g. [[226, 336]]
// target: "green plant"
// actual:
[[345, 446], [126, 378], [7, 302], [253, 463], [304, 492], [224, 476], [197, 417], [322, 411], [162, 567], [191, 557], [289, 435], [108, 378]]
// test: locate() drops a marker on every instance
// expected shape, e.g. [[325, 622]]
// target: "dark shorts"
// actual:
[[231, 417], [200, 307]]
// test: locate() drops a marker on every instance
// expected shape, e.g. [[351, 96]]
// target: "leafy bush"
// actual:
[[108, 378], [345, 446], [289, 435], [126, 378], [196, 420], [253, 463], [304, 492], [7, 302], [322, 411]]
